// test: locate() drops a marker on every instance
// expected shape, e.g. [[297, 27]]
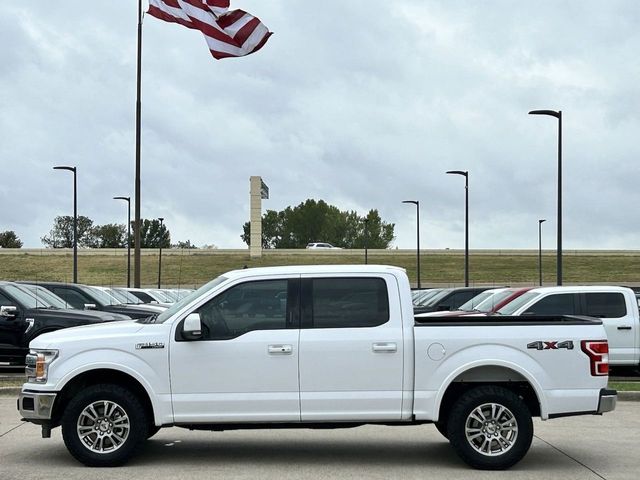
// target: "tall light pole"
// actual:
[[160, 256], [75, 220], [540, 222], [557, 115], [465, 174], [128, 200], [366, 240], [137, 224], [417, 204]]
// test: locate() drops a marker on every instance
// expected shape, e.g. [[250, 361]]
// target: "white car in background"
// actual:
[[327, 246]]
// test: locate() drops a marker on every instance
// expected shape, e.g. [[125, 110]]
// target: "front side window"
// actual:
[[260, 305], [348, 303], [605, 305]]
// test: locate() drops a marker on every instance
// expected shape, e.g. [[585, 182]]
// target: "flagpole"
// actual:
[[136, 227]]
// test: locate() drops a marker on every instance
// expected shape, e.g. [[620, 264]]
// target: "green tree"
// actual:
[[152, 234], [9, 239], [317, 221], [111, 235], [61, 235]]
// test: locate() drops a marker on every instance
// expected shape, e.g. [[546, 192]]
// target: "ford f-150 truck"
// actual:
[[314, 347]]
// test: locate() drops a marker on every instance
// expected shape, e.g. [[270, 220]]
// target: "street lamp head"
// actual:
[[161, 219], [464, 173], [415, 202], [126, 199], [542, 220], [552, 113], [64, 167]]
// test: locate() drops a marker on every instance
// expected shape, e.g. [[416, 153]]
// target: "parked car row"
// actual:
[[29, 309], [616, 307]]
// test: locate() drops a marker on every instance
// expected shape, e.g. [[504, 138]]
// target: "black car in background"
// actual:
[[449, 299], [24, 316], [84, 297]]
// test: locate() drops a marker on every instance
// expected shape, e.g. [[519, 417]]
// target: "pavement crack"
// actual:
[[14, 428], [569, 456]]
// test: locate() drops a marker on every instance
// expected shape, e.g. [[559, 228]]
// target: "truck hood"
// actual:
[[86, 333], [87, 316]]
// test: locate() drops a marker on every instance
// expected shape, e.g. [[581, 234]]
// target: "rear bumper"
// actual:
[[36, 406], [608, 399]]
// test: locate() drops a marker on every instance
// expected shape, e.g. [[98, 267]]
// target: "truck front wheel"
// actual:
[[104, 425], [490, 428]]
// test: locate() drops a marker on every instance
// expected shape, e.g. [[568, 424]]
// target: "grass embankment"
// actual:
[[193, 268]]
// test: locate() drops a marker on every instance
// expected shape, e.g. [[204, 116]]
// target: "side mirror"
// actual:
[[192, 327], [9, 312], [90, 306]]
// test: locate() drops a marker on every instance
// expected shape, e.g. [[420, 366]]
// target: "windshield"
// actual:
[[168, 313], [436, 298], [523, 299], [472, 304], [489, 304], [117, 295], [131, 298], [171, 295], [103, 297], [45, 297], [26, 298], [425, 296], [159, 296]]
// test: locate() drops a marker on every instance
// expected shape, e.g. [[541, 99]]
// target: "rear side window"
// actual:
[[605, 305], [348, 303], [557, 304]]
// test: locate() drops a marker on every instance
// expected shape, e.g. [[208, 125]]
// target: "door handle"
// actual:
[[385, 347], [280, 349], [624, 327]]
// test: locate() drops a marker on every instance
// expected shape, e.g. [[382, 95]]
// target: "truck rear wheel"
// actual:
[[490, 428], [104, 425]]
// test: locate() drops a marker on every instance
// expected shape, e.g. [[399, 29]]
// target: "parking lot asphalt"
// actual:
[[585, 448]]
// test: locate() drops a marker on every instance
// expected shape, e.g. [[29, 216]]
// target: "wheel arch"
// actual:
[[507, 376], [101, 376]]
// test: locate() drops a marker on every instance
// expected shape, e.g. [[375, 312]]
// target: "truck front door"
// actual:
[[351, 348], [245, 366]]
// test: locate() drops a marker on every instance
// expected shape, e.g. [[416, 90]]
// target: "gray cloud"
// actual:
[[360, 103]]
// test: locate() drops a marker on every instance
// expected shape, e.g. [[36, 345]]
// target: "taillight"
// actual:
[[598, 353]]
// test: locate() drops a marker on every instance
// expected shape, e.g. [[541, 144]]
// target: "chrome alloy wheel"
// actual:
[[491, 429], [103, 426]]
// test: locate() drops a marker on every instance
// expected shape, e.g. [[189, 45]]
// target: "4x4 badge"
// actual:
[[551, 345]]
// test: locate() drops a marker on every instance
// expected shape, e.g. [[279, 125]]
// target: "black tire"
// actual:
[[507, 427], [441, 426], [114, 437]]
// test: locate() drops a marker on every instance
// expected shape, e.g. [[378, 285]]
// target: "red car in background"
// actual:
[[486, 303]]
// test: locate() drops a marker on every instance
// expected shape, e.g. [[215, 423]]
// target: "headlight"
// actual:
[[37, 365]]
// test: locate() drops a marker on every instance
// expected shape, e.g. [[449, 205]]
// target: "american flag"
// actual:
[[228, 33]]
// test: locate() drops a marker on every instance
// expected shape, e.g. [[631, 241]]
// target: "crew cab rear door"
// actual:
[[619, 322], [351, 348]]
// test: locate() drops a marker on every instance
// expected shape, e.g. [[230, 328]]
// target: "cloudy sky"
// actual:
[[361, 103]]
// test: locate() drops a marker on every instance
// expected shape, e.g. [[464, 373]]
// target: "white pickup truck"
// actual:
[[314, 347], [617, 307]]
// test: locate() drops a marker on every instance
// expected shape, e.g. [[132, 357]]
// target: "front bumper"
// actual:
[[608, 399], [36, 406]]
